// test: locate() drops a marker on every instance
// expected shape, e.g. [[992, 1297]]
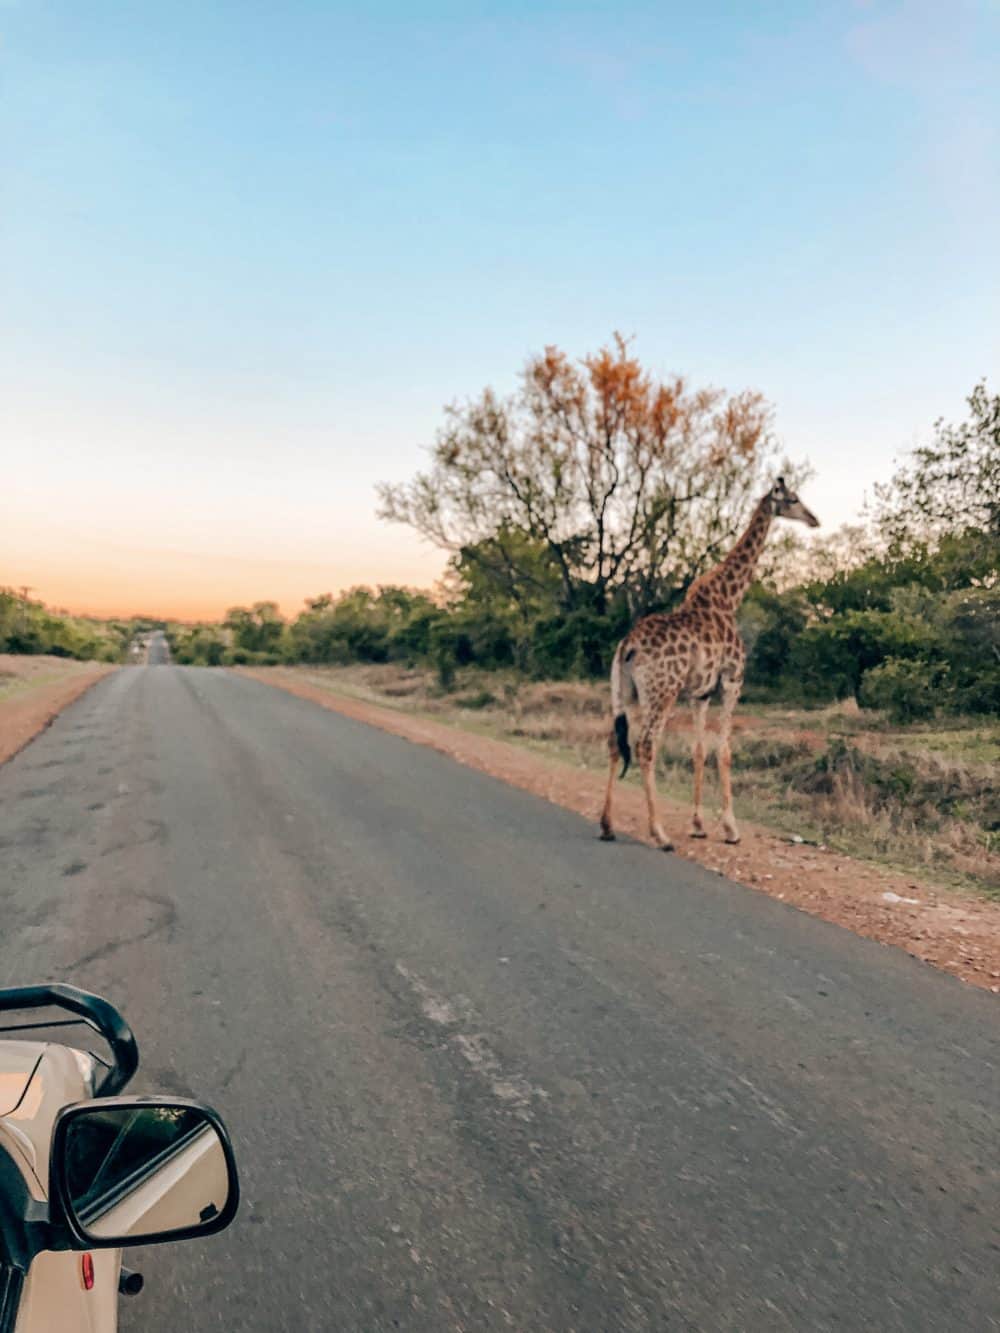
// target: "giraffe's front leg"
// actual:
[[699, 709], [730, 697]]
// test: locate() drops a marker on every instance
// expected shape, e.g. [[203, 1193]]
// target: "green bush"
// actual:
[[907, 690], [829, 659], [449, 648], [771, 622], [409, 639], [574, 644], [973, 691]]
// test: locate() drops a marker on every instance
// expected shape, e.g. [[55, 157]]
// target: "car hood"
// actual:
[[44, 1077], [18, 1061]]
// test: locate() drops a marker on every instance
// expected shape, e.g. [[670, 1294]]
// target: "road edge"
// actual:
[[46, 703]]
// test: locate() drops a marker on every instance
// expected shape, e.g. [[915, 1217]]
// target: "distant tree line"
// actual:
[[596, 493], [28, 626]]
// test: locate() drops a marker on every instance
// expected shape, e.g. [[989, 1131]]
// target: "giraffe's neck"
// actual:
[[729, 581]]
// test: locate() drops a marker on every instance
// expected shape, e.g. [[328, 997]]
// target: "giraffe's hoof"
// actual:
[[666, 846], [732, 841], [607, 835], [698, 833]]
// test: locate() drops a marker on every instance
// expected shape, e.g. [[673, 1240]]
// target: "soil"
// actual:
[[957, 933], [34, 690]]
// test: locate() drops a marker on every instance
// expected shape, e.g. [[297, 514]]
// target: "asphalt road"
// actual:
[[159, 649], [483, 1071]]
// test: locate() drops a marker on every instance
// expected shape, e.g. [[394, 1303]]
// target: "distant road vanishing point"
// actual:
[[159, 649]]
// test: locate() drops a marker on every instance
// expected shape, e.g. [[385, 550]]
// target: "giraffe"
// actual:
[[690, 654]]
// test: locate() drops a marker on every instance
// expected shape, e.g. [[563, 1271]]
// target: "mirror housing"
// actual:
[[140, 1171]]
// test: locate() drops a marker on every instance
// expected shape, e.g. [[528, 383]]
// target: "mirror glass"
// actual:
[[143, 1170]]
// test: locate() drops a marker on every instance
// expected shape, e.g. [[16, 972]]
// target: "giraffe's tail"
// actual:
[[623, 691]]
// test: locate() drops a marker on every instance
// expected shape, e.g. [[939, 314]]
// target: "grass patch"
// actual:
[[20, 675]]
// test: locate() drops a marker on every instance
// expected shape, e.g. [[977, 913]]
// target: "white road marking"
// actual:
[[512, 1090]]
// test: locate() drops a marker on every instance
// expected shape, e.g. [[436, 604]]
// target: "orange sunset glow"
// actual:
[[147, 508], [90, 575]]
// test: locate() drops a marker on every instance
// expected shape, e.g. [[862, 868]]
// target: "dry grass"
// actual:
[[924, 799], [21, 673], [33, 690]]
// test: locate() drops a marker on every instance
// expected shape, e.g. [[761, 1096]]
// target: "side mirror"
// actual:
[[141, 1170]]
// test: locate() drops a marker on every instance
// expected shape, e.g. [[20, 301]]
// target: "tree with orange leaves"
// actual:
[[594, 475]]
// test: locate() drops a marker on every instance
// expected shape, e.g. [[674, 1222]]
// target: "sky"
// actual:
[[248, 251]]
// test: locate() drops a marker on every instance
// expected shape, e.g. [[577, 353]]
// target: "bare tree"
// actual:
[[628, 485]]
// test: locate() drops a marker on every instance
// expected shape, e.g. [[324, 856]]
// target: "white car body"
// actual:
[[84, 1171], [36, 1080]]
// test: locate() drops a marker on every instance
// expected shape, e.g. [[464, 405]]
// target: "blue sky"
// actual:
[[248, 251]]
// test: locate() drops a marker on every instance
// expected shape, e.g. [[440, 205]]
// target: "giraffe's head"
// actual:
[[786, 504]]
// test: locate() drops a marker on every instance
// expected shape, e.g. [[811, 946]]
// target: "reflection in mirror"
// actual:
[[133, 1171]]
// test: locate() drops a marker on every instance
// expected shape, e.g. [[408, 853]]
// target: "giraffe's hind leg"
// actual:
[[730, 697], [699, 709], [646, 749]]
